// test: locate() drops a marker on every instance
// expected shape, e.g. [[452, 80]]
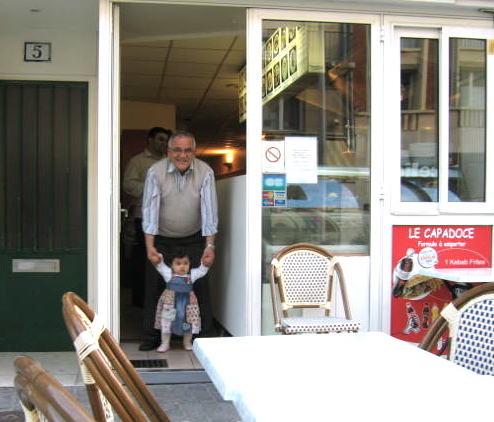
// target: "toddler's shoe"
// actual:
[[165, 343], [188, 342], [163, 348]]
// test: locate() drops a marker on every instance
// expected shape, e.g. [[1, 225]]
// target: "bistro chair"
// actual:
[[111, 380], [305, 276], [469, 324], [42, 397]]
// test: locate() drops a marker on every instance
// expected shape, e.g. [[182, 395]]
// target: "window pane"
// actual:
[[419, 119], [315, 87], [467, 119]]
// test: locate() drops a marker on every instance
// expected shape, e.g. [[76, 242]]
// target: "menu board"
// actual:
[[285, 60]]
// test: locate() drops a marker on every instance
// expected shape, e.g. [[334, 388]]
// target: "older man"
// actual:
[[179, 211]]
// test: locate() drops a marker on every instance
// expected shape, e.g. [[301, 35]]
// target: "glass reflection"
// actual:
[[316, 85], [419, 119], [467, 110]]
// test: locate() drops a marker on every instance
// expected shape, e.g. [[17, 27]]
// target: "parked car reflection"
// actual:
[[413, 192], [326, 213]]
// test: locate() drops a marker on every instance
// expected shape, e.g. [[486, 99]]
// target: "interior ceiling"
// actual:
[[188, 56]]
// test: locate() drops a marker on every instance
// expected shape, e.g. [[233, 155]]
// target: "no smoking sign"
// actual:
[[273, 156]]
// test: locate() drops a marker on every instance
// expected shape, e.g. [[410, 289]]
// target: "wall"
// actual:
[[228, 284], [217, 163], [67, 61], [140, 115]]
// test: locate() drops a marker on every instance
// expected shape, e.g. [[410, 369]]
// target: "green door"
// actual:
[[43, 204]]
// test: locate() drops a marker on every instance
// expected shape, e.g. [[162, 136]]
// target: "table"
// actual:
[[461, 275], [343, 377], [457, 280]]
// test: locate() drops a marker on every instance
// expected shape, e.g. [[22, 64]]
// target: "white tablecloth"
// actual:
[[461, 275], [342, 377]]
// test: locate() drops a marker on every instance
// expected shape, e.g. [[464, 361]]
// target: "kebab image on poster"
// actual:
[[431, 266]]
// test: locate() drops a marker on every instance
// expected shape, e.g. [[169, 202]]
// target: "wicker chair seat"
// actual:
[[293, 325]]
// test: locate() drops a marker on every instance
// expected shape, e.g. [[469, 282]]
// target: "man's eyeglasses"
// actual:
[[178, 151]]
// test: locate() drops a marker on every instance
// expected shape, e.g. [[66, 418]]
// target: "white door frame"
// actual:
[[104, 289]]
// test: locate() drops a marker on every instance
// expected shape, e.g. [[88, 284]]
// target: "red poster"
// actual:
[[431, 265]]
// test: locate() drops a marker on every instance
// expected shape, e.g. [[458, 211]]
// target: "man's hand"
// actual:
[[153, 255], [208, 256]]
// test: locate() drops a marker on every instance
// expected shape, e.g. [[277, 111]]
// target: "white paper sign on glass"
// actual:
[[301, 159]]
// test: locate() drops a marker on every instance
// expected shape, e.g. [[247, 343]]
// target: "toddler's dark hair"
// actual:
[[177, 253]]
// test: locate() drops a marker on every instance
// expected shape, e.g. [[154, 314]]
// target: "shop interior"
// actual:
[[192, 71]]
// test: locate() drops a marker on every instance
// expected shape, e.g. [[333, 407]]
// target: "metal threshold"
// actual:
[[154, 376]]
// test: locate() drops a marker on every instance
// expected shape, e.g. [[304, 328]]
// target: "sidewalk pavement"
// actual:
[[182, 403]]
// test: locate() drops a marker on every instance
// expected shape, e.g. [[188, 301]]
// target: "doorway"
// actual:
[[191, 71]]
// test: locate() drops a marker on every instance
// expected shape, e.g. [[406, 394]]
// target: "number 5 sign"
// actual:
[[37, 52]]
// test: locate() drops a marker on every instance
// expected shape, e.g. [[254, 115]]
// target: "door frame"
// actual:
[[103, 286]]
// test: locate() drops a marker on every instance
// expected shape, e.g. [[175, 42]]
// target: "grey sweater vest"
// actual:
[[180, 211]]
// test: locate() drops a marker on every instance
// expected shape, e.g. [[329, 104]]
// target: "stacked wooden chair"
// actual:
[[42, 397], [111, 381]]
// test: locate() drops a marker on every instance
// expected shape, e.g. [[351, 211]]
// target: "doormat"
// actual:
[[149, 363]]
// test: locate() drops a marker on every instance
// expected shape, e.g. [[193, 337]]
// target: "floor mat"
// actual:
[[149, 363]]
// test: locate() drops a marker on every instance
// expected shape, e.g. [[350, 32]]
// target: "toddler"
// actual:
[[178, 311]]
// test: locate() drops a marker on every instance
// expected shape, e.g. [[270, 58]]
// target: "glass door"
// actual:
[[315, 136]]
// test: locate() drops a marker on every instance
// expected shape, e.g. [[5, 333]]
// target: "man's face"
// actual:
[[157, 144], [181, 152]]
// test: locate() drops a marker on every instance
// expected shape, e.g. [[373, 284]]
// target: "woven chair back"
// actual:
[[469, 322], [305, 278], [472, 335]]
